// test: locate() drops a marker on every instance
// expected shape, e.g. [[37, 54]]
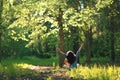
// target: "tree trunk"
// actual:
[[88, 36], [112, 42], [112, 38], [112, 30], [61, 37], [89, 44], [88, 47], [1, 9]]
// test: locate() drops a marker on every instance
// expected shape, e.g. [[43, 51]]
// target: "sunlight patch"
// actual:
[[33, 67], [26, 66]]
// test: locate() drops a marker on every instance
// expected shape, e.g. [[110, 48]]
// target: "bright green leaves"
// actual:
[[34, 21], [31, 22], [88, 17], [11, 2], [103, 3], [70, 17], [84, 18], [31, 17], [28, 22]]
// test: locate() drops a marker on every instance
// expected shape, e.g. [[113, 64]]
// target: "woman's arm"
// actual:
[[78, 52], [80, 47], [59, 50]]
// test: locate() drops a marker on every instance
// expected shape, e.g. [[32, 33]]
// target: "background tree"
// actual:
[[1, 9], [35, 27], [113, 13]]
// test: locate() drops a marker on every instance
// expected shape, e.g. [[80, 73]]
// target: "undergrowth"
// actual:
[[95, 73]]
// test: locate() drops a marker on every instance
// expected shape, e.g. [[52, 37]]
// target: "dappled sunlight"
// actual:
[[34, 67], [27, 66], [24, 65]]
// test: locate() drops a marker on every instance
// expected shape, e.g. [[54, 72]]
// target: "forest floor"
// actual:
[[33, 68], [49, 72], [42, 73]]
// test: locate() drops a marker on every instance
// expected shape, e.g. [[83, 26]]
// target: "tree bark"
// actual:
[[88, 47], [112, 30], [112, 39], [112, 42], [61, 36], [88, 36], [1, 9]]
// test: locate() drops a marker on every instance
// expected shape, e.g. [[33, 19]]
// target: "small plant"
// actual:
[[49, 78]]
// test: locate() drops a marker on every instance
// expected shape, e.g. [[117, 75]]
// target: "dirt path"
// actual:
[[50, 72], [37, 73]]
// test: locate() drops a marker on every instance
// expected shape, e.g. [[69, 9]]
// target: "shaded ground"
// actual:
[[50, 72], [43, 73]]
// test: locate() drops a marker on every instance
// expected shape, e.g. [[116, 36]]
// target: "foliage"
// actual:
[[30, 27]]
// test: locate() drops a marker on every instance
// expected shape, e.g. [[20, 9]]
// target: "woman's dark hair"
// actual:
[[71, 57]]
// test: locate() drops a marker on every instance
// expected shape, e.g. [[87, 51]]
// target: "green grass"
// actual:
[[30, 60], [97, 70]]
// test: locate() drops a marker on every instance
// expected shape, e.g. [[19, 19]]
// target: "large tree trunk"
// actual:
[[61, 37], [88, 47], [1, 9], [112, 28], [89, 44], [88, 36], [112, 42], [113, 25]]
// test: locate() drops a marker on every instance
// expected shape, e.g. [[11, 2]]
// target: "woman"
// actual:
[[70, 57]]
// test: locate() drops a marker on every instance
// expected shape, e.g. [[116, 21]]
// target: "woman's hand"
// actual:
[[59, 50]]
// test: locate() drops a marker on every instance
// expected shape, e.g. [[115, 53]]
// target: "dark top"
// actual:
[[74, 64]]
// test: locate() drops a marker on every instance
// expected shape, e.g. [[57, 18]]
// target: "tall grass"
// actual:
[[95, 73]]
